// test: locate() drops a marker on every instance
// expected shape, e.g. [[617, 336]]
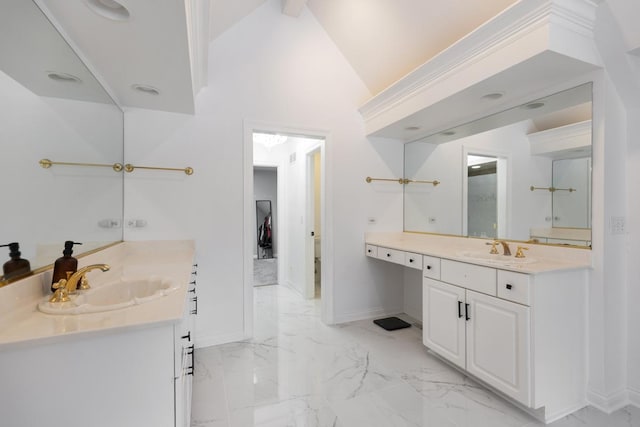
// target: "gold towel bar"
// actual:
[[130, 168], [46, 163], [401, 181], [552, 189]]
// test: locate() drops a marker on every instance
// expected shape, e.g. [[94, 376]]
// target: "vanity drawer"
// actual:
[[431, 267], [470, 276], [413, 260], [391, 255], [514, 287], [371, 250]]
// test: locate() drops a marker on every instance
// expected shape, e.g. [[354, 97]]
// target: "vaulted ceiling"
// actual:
[[382, 39]]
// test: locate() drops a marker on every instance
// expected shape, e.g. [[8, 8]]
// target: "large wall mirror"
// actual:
[[53, 108], [522, 174]]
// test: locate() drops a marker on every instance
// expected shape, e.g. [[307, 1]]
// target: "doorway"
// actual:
[[298, 156]]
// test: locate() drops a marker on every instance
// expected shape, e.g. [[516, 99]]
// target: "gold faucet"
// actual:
[[505, 247], [67, 286]]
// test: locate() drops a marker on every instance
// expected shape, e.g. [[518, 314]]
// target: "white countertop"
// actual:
[[547, 258], [21, 323]]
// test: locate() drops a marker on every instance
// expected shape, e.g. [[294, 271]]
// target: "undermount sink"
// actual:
[[112, 296], [498, 259]]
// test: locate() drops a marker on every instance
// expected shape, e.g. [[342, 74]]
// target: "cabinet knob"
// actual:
[[369, 250], [428, 267], [388, 255], [509, 286], [187, 337], [410, 259]]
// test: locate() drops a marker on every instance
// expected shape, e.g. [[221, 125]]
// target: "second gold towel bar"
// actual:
[[403, 181], [130, 168], [552, 189]]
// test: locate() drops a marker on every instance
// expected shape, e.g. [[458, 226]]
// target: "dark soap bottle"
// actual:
[[16, 266], [64, 264]]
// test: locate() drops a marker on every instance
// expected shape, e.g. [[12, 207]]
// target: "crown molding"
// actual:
[[525, 30]]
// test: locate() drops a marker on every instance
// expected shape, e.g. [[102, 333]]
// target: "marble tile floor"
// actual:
[[299, 372]]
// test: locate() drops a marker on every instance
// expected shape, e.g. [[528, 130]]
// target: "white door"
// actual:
[[443, 320], [498, 338]]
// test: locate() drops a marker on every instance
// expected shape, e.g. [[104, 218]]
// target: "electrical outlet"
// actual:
[[617, 225]]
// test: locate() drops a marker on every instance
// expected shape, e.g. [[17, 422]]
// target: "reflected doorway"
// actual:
[[265, 189], [485, 202]]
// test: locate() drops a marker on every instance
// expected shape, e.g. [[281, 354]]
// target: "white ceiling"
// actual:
[[383, 40]]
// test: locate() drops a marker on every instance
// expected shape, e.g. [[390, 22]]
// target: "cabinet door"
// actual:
[[443, 320], [498, 339]]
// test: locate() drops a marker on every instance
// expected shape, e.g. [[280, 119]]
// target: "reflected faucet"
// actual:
[[67, 286]]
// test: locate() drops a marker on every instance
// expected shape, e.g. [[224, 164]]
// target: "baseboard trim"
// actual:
[[368, 314], [634, 397], [211, 340], [610, 403]]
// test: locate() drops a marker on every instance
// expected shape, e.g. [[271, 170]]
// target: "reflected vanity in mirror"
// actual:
[[523, 174], [54, 108], [264, 229]]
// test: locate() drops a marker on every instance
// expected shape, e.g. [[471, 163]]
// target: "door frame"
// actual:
[[251, 126], [309, 285]]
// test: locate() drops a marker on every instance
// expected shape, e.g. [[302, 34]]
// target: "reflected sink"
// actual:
[[497, 259], [112, 296]]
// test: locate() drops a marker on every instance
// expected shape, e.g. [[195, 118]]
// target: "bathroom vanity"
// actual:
[[517, 325], [128, 366]]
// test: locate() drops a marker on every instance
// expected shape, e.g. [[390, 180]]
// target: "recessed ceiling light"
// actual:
[[448, 132], [493, 96], [63, 77], [149, 90], [476, 167], [533, 105], [412, 128], [110, 9]]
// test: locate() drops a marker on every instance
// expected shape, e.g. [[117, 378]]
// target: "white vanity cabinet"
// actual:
[[125, 377], [408, 259], [487, 336], [184, 339], [524, 335]]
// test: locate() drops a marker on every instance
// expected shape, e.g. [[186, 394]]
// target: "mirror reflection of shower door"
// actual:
[[265, 229], [482, 196], [572, 199]]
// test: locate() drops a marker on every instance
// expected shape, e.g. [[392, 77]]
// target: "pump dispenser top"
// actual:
[[16, 266], [66, 263]]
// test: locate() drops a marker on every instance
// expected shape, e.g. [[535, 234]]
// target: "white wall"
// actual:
[[633, 275], [271, 68]]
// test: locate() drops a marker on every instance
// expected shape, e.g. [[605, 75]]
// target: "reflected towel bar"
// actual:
[[400, 181], [46, 164], [411, 181], [130, 168], [552, 189]]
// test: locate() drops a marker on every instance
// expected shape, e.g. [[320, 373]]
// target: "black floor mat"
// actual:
[[391, 323]]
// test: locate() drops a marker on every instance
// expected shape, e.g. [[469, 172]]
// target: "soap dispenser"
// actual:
[[16, 266], [66, 263]]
